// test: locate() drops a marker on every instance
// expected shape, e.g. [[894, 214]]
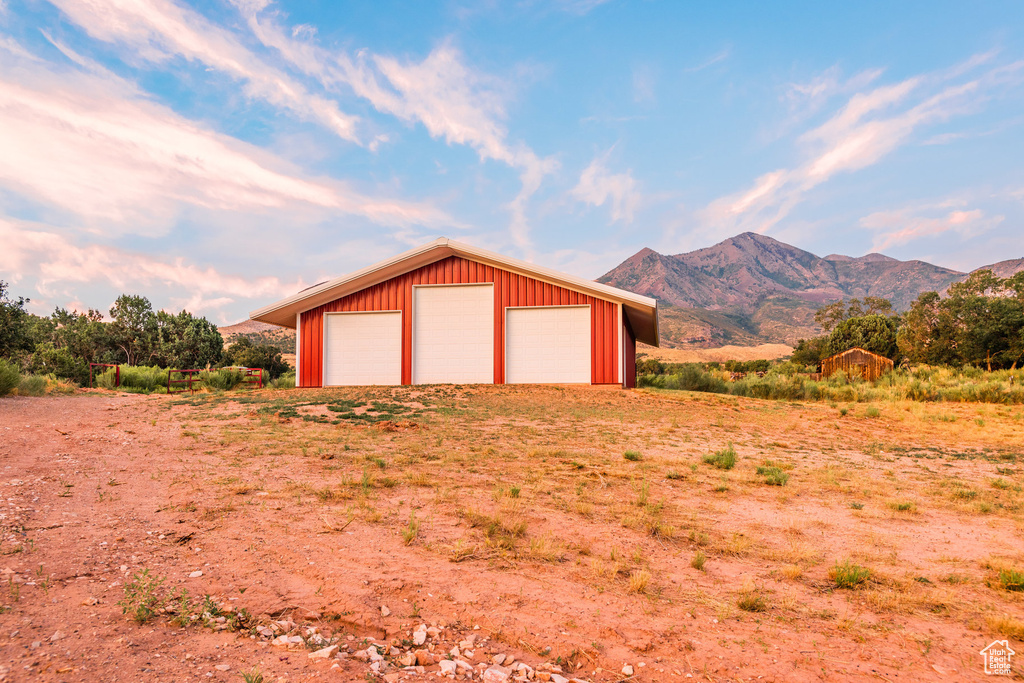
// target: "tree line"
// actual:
[[65, 342], [979, 322]]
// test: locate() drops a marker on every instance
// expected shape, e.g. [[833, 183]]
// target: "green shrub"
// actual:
[[33, 385], [724, 459], [139, 379], [698, 561], [142, 597], [773, 475], [848, 575], [221, 379], [285, 381], [633, 456], [10, 377], [1011, 579]]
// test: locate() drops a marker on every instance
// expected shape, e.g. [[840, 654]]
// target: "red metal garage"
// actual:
[[448, 312]]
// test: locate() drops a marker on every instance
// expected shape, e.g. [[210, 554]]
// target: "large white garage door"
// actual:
[[363, 348], [453, 334], [547, 345]]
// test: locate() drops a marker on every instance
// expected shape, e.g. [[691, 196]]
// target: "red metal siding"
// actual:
[[511, 289]]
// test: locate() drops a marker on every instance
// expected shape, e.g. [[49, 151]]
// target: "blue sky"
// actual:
[[220, 155]]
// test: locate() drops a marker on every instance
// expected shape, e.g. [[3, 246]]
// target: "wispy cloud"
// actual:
[[598, 185], [711, 61], [580, 7], [644, 78], [869, 127], [809, 96], [95, 147], [897, 227], [450, 99], [160, 29], [53, 260]]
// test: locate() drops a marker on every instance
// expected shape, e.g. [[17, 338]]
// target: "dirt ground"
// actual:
[[559, 526]]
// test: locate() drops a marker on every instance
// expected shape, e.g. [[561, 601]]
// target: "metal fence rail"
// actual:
[[187, 382], [191, 381], [117, 372]]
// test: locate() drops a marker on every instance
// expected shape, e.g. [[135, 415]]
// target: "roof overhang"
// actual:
[[641, 311]]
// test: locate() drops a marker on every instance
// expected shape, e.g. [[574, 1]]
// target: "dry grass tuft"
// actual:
[[639, 581]]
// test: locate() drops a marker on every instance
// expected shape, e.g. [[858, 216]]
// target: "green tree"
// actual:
[[243, 353], [47, 359], [809, 352], [980, 322], [84, 335], [185, 341], [874, 332], [15, 335], [987, 317], [828, 317], [134, 329]]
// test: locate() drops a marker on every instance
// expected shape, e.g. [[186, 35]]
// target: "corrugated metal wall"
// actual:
[[511, 289]]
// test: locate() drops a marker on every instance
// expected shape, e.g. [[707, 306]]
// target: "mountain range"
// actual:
[[753, 289]]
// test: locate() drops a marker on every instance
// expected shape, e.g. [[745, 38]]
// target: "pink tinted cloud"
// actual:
[[53, 261], [93, 146], [159, 29], [901, 226]]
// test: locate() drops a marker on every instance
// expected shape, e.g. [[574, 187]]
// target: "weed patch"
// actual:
[[724, 459], [848, 575]]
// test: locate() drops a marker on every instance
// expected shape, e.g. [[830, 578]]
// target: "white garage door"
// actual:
[[453, 334], [548, 345], [363, 348]]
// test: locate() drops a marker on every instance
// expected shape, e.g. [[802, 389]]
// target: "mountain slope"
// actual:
[[764, 290]]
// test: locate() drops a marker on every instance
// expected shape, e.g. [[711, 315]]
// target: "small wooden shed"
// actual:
[[857, 361]]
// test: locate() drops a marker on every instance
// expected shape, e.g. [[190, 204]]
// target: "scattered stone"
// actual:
[[448, 666], [559, 678], [423, 658], [496, 674], [90, 601], [324, 653], [196, 574], [392, 677], [36, 645], [384, 611], [498, 659], [56, 636], [627, 670], [419, 637], [223, 667], [408, 659]]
